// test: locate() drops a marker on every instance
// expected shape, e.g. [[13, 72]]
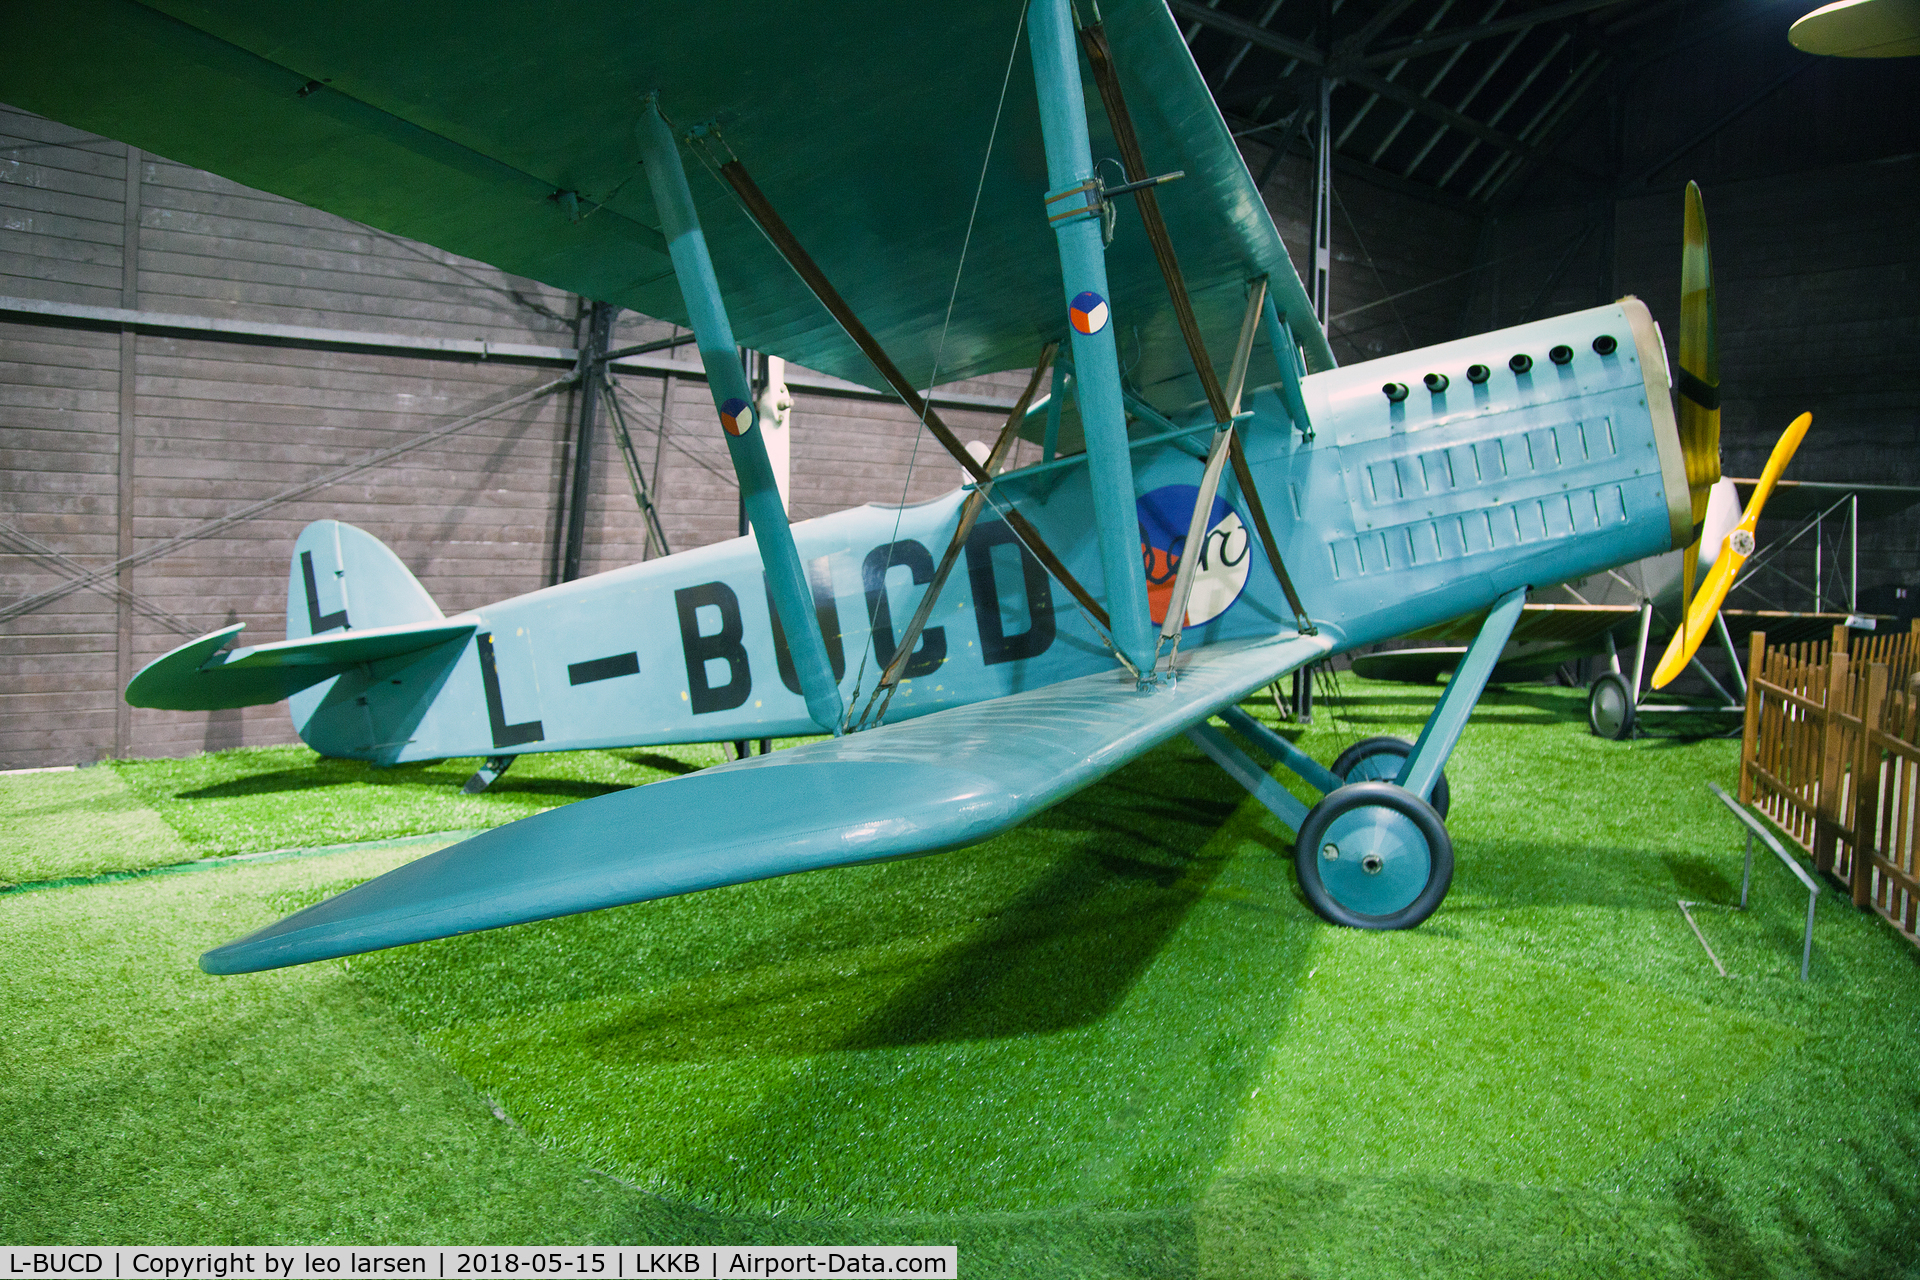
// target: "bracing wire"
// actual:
[[940, 348]]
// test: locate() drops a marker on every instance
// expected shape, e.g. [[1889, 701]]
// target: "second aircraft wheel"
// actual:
[[1373, 856], [1610, 707], [1380, 760]]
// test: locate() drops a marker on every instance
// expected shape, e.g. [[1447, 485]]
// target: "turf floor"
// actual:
[[1111, 1042]]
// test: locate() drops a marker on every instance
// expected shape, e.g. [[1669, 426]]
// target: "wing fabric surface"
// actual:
[[198, 676], [467, 127], [938, 782]]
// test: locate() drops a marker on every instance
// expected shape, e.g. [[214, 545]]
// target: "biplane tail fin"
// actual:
[[350, 602], [345, 579]]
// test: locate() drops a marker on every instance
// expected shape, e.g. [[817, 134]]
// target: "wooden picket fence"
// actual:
[[1831, 753]]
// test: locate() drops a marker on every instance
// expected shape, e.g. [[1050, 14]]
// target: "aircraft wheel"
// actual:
[[1379, 760], [1374, 856], [1610, 707]]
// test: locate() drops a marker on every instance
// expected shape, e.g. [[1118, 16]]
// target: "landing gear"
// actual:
[[1374, 853], [1610, 707], [1372, 856], [1380, 760]]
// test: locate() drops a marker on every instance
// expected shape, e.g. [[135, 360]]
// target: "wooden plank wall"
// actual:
[[114, 442]]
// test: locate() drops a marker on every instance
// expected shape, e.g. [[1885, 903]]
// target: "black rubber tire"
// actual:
[[1420, 819], [1610, 707], [1370, 749]]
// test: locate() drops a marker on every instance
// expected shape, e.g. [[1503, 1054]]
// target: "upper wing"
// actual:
[[505, 132], [198, 676], [938, 782]]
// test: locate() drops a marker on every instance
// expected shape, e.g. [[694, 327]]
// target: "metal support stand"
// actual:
[[1733, 656], [598, 328], [487, 774], [1754, 829], [733, 398], [1449, 717], [1074, 209], [1728, 699]]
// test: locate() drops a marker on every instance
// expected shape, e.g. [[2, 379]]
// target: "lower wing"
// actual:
[[937, 782]]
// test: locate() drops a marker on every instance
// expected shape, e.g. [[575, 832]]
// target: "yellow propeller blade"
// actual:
[[1739, 545], [1699, 376]]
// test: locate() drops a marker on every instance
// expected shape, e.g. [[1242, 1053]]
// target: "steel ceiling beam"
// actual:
[[1380, 85], [1249, 32], [1549, 126], [1422, 45], [1360, 39], [1472, 128], [1345, 164]]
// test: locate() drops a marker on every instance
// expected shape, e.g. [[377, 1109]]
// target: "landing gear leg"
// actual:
[[1375, 854], [485, 775]]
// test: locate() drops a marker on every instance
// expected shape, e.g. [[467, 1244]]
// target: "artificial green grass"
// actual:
[[266, 797], [79, 822], [127, 815], [1112, 1042]]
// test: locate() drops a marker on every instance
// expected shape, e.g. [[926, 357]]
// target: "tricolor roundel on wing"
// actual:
[[736, 415], [1225, 553], [1088, 313]]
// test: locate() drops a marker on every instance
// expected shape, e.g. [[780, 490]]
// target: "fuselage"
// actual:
[[1394, 515]]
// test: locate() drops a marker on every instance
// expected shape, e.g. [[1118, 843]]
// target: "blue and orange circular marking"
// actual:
[[1088, 313], [1225, 553], [736, 415]]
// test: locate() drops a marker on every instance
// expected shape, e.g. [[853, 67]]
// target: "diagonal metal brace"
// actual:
[[756, 205], [1241, 768], [1449, 717], [969, 513]]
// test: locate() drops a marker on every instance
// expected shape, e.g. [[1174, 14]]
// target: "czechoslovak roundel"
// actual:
[[1088, 313], [736, 415]]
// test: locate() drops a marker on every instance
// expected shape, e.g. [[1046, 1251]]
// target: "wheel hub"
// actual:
[[1376, 861]]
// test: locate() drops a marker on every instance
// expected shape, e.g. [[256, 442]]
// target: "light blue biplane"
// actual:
[[1222, 510]]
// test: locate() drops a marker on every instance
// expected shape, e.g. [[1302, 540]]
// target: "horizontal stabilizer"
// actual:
[[198, 676], [938, 782]]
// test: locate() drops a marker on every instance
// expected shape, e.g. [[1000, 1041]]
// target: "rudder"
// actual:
[[344, 578]]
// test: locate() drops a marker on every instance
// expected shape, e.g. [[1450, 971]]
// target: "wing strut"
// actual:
[[1173, 626], [761, 210], [759, 491], [1074, 211], [1093, 38], [969, 512]]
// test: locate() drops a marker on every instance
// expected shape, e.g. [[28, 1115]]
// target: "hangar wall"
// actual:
[[118, 440], [1810, 169]]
